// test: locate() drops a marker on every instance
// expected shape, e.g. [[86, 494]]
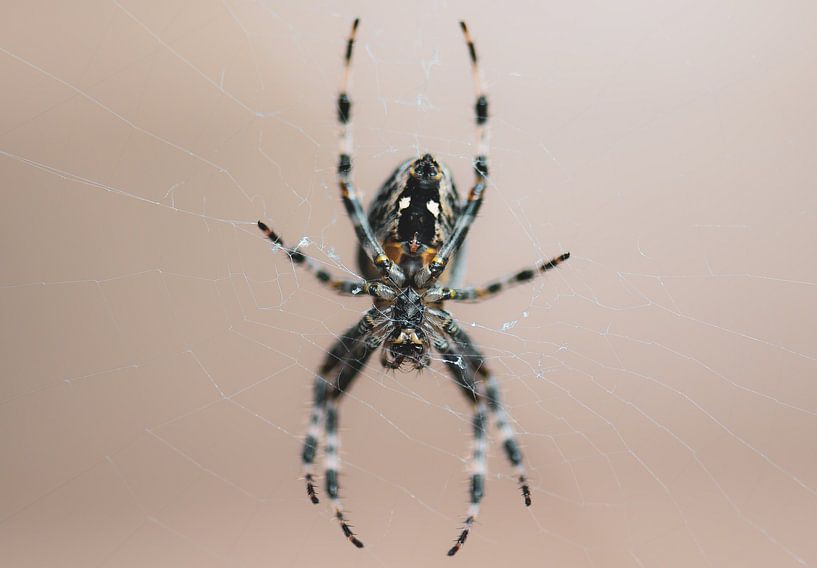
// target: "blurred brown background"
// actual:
[[157, 356]]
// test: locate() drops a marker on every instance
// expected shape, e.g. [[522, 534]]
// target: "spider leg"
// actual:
[[343, 363], [475, 360], [507, 434], [365, 235], [494, 288], [351, 201], [435, 268], [332, 465], [474, 391], [313, 434], [480, 108], [343, 287], [345, 106]]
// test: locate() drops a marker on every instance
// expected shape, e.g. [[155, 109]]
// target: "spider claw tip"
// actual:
[[525, 493]]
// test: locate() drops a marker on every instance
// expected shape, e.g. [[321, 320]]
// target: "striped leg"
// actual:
[[478, 470], [466, 380], [345, 106], [313, 434], [481, 107], [365, 235], [430, 273], [343, 363], [507, 434], [332, 466], [343, 287], [494, 288], [351, 202], [475, 361], [353, 364], [473, 390]]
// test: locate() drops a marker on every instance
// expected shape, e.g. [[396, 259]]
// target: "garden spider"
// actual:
[[414, 230]]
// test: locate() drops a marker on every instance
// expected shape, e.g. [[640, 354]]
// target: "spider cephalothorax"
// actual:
[[410, 244], [407, 346]]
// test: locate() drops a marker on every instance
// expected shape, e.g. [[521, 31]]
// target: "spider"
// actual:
[[414, 231]]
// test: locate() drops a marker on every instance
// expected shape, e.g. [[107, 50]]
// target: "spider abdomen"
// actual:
[[413, 214]]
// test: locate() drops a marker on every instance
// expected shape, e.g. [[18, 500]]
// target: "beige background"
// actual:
[[157, 356]]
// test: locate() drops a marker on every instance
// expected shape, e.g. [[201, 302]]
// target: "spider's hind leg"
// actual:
[[348, 193], [345, 106], [480, 108], [426, 277]]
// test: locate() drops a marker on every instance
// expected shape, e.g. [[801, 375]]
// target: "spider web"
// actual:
[[158, 356]]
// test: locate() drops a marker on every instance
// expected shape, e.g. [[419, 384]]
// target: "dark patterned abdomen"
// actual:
[[412, 216]]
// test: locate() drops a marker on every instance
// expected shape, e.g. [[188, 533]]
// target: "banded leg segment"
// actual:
[[494, 288], [343, 287], [473, 358], [473, 389], [345, 107], [353, 363], [351, 202], [508, 436], [308, 263], [332, 466], [337, 356], [344, 362], [435, 268], [480, 108], [313, 434], [365, 234], [478, 471]]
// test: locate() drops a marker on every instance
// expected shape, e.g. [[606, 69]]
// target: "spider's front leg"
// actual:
[[475, 361], [343, 363], [474, 391]]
